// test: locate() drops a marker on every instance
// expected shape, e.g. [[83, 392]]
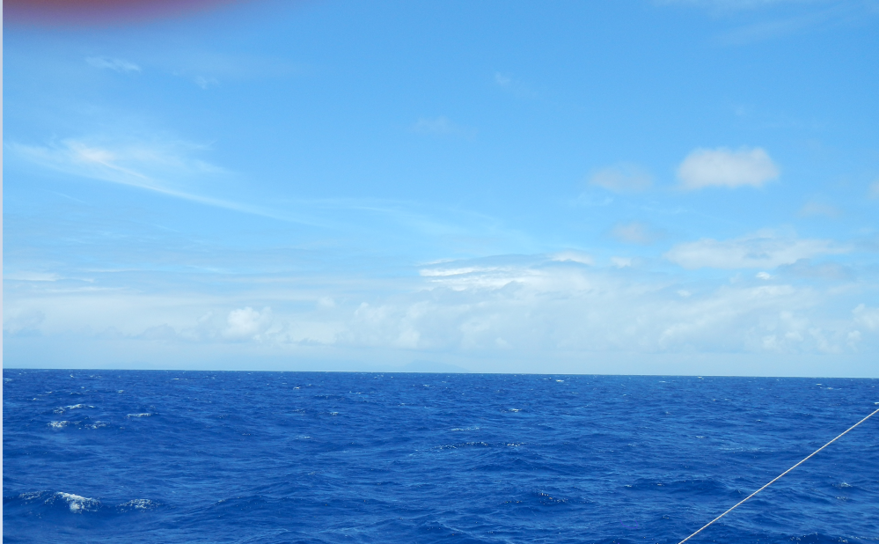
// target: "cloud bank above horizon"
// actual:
[[304, 202]]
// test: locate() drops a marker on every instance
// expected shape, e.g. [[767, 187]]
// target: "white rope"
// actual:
[[777, 477]]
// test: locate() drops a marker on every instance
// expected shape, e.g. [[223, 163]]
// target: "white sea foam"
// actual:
[[76, 503], [58, 424], [460, 429], [78, 406], [138, 504], [513, 410], [145, 414], [30, 495]]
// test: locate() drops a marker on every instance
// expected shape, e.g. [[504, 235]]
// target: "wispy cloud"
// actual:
[[205, 82], [635, 233], [873, 190], [574, 257], [815, 208], [723, 167], [514, 86], [442, 126], [109, 63], [742, 4], [133, 165], [622, 178], [772, 19], [764, 249]]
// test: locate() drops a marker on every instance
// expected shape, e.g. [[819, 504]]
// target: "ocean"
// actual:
[[283, 457]]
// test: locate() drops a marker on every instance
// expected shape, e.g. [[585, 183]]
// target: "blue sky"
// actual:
[[650, 187]]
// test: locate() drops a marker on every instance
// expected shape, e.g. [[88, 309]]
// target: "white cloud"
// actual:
[[441, 126], [247, 323], [573, 256], [117, 65], [723, 167], [205, 82], [23, 321], [738, 4], [31, 276], [635, 233], [534, 305], [162, 167], [815, 208], [866, 317], [513, 86], [502, 79], [761, 250], [622, 178]]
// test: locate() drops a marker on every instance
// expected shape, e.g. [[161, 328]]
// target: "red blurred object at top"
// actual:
[[102, 12]]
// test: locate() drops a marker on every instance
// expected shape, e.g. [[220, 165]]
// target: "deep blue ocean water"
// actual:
[[153, 456]]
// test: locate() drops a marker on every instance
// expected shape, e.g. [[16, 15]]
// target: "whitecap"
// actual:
[[513, 410], [30, 495], [76, 503], [58, 424], [138, 504], [145, 414], [560, 381]]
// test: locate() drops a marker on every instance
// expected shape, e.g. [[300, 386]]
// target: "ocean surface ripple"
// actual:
[[272, 457]]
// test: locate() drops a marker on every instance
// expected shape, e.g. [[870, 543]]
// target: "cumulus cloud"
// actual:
[[866, 317], [547, 305], [550, 308], [247, 323], [23, 322], [635, 233], [622, 178], [761, 250], [723, 167], [117, 65]]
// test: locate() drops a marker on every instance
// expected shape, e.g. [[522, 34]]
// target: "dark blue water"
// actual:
[[133, 457]]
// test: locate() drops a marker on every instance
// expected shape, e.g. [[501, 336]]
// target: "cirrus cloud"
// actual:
[[723, 167]]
